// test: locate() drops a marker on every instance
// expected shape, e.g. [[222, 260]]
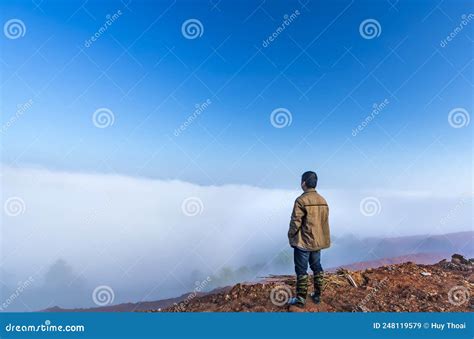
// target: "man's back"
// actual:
[[309, 227]]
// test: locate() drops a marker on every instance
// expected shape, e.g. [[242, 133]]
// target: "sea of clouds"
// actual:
[[149, 239]]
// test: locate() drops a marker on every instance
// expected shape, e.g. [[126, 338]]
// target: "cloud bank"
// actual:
[[151, 239]]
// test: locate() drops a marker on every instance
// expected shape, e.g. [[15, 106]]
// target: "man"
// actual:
[[308, 234]]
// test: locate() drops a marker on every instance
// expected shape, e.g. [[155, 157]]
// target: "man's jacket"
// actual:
[[309, 225]]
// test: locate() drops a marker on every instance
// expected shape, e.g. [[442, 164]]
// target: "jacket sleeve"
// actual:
[[296, 219]]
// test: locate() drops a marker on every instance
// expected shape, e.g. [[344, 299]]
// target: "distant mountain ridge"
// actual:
[[135, 307], [375, 248]]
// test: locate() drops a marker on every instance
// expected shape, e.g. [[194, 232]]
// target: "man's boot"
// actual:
[[301, 291], [318, 287]]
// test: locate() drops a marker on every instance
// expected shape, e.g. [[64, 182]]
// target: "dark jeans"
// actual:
[[302, 258]]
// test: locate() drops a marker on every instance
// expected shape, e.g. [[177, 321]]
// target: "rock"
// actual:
[[459, 258]]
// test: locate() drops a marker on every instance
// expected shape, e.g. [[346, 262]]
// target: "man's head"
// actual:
[[309, 180]]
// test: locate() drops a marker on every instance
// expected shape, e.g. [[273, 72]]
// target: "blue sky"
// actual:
[[320, 68], [404, 170]]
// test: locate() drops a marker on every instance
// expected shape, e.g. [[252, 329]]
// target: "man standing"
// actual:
[[308, 234]]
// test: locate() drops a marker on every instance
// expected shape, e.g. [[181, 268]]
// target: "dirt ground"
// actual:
[[447, 286]]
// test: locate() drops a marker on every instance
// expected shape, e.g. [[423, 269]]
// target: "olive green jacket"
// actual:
[[309, 225]]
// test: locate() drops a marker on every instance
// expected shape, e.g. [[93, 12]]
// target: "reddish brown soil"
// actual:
[[405, 287]]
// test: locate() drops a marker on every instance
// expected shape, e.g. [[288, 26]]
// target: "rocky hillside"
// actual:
[[443, 287]]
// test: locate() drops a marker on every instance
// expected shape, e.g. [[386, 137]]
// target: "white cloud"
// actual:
[[132, 232]]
